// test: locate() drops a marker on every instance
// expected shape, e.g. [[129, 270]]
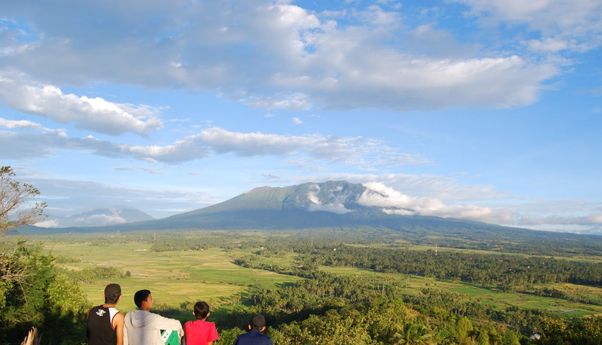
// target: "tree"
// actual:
[[34, 292], [14, 198], [483, 337], [463, 327]]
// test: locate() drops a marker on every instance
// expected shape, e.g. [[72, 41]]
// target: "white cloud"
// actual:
[[579, 223], [18, 124], [256, 143], [394, 202], [48, 223], [137, 169], [348, 150], [549, 45], [576, 22], [13, 40], [100, 219], [597, 218], [85, 112], [357, 151], [401, 82], [69, 197], [572, 16], [334, 204], [294, 102], [443, 196], [583, 217], [297, 121], [560, 219], [445, 188], [279, 56]]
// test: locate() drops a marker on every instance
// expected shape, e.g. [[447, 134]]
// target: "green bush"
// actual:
[[90, 274], [34, 293]]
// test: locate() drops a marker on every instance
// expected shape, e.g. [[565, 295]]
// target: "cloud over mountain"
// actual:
[[392, 201], [96, 217]]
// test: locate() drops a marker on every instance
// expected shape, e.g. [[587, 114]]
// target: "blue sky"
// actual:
[[486, 110]]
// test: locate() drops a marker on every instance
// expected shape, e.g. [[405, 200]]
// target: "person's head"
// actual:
[[112, 293], [201, 310], [143, 300], [258, 323]]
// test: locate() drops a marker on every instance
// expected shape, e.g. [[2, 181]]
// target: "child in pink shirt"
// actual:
[[200, 331]]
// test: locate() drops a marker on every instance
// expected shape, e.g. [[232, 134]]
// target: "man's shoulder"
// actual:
[[137, 313], [96, 307], [253, 335], [200, 322]]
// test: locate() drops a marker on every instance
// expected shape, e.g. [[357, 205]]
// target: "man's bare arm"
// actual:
[[118, 326]]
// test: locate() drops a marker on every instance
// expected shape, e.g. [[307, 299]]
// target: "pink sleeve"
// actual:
[[213, 333]]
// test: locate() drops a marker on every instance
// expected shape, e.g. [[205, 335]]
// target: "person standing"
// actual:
[[144, 328], [105, 322], [200, 331], [255, 334]]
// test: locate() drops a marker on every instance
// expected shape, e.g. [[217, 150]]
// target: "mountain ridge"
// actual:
[[330, 204]]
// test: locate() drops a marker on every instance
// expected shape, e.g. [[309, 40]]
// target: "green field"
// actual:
[[180, 277], [324, 284], [406, 245], [413, 284], [174, 277]]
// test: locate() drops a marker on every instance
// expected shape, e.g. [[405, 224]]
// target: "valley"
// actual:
[[235, 271]]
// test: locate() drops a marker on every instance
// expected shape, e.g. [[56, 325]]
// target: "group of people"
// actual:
[[107, 326]]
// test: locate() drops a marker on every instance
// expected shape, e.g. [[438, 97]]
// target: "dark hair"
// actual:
[[201, 310], [257, 322], [112, 293], [141, 296]]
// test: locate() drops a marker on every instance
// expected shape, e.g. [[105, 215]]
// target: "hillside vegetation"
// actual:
[[327, 286]]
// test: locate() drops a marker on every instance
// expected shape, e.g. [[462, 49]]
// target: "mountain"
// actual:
[[332, 204], [98, 217], [308, 205]]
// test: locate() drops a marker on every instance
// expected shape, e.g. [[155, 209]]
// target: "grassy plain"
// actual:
[[180, 277], [174, 277]]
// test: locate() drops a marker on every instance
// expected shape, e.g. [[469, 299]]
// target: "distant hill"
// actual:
[[98, 217], [332, 204]]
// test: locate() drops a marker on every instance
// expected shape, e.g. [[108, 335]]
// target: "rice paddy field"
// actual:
[[178, 278], [174, 277]]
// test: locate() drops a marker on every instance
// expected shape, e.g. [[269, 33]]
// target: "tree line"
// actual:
[[330, 309], [506, 272]]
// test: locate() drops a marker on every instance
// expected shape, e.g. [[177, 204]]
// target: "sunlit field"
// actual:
[[180, 277], [174, 277]]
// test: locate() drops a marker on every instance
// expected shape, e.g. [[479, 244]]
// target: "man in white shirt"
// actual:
[[143, 327]]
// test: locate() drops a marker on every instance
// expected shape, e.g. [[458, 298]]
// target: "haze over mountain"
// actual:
[[96, 217], [331, 204]]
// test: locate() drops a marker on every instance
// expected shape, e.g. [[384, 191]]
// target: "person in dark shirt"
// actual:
[[254, 335], [104, 322]]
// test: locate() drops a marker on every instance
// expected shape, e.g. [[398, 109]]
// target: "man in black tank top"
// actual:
[[105, 323]]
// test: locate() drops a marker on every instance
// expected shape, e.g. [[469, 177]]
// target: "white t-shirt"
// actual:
[[144, 328]]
